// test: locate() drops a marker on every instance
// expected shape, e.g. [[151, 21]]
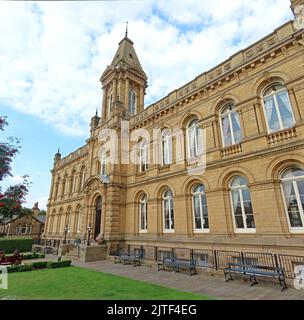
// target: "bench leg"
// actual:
[[283, 284], [255, 281], [230, 276]]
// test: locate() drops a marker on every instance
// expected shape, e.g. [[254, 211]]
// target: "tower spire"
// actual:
[[126, 29]]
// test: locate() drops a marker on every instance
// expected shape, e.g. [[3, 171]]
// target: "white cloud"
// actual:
[[53, 53]]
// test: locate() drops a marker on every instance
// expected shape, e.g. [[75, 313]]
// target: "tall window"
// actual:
[[200, 210], [293, 189], [241, 205], [132, 102], [194, 139], [82, 178], [72, 181], [63, 186], [166, 147], [104, 164], [230, 125], [110, 102], [278, 110], [78, 220], [168, 211], [143, 213], [143, 156], [68, 218]]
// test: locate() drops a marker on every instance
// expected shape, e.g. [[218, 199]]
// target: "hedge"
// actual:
[[59, 264], [34, 255], [11, 244], [39, 265]]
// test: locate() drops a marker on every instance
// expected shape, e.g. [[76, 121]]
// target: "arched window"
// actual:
[[230, 125], [293, 190], [82, 178], [73, 178], [58, 227], [143, 213], [166, 147], [241, 205], [68, 218], [168, 211], [194, 139], [132, 102], [277, 107], [200, 209], [63, 186], [104, 164], [143, 156]]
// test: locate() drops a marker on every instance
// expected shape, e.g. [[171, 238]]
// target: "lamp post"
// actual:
[[66, 228], [89, 234]]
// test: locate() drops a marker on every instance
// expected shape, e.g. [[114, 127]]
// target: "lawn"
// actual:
[[80, 284]]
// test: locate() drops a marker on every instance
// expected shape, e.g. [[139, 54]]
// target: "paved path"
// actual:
[[203, 283]]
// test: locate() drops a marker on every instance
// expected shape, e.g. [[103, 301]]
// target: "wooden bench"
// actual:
[[10, 260], [178, 264], [253, 271]]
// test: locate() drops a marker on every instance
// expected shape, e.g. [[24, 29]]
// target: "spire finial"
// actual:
[[58, 150], [127, 29], [96, 113]]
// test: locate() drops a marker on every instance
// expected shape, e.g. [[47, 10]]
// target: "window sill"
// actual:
[[169, 231], [143, 231], [242, 231], [296, 230], [198, 231]]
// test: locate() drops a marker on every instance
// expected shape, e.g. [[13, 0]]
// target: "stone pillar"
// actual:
[[127, 94], [260, 120], [141, 99], [112, 214], [104, 103], [114, 89], [216, 133]]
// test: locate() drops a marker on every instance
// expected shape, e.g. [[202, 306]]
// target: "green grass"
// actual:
[[81, 284]]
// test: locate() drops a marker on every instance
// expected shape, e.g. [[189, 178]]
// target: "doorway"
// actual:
[[98, 207]]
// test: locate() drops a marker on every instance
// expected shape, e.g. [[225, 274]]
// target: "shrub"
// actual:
[[39, 265], [21, 244], [33, 255], [21, 268], [59, 264]]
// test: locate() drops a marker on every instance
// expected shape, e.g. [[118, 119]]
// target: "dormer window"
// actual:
[[132, 102]]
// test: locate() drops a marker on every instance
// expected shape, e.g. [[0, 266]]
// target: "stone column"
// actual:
[[127, 94], [141, 99], [104, 103], [260, 121], [114, 89]]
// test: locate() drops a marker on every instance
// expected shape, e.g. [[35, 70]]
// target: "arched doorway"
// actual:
[[98, 206]]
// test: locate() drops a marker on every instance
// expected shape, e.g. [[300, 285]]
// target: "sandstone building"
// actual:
[[251, 195]]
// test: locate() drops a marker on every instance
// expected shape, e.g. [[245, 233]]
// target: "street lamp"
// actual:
[[66, 228], [89, 234]]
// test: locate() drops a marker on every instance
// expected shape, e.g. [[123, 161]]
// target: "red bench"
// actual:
[[11, 260]]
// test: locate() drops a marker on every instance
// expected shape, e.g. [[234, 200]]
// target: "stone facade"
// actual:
[[260, 156]]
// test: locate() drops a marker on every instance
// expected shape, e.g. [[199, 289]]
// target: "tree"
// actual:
[[12, 198]]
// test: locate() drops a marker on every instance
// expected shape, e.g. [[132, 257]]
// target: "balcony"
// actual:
[[231, 150], [280, 136]]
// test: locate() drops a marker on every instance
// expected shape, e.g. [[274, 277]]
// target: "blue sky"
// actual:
[[53, 53]]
